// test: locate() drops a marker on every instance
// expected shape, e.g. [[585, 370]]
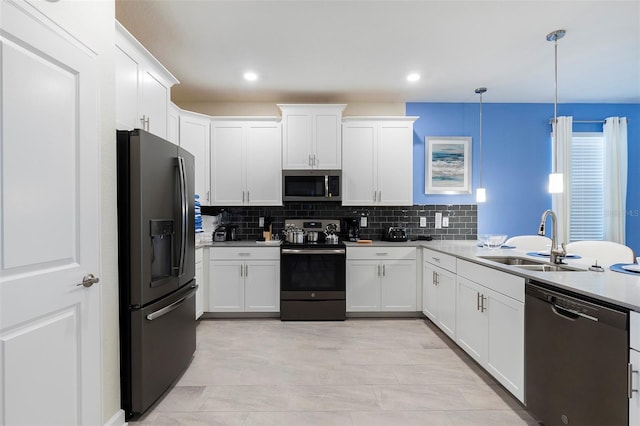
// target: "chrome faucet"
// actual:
[[556, 253]]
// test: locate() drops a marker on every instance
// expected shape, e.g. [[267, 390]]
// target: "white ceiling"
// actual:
[[362, 50]]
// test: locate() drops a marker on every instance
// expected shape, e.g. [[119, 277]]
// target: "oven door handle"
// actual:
[[313, 251]]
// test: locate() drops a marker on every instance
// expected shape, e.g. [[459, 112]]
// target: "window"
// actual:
[[586, 211]]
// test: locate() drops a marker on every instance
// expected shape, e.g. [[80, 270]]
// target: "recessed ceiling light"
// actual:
[[413, 77], [250, 76]]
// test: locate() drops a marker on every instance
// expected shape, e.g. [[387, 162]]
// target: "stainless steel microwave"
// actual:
[[311, 185]]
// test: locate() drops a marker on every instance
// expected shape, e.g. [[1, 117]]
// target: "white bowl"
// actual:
[[493, 241]]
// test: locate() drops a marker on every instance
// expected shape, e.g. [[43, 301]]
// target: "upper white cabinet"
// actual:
[[173, 124], [194, 137], [311, 136], [377, 161], [246, 167], [143, 87]]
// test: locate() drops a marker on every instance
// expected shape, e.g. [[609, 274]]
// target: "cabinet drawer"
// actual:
[[442, 260], [380, 252], [501, 282], [240, 253]]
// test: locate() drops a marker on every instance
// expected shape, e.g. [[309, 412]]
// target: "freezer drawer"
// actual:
[[163, 340]]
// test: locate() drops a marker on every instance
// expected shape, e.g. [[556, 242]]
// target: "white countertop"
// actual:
[[242, 243], [613, 287]]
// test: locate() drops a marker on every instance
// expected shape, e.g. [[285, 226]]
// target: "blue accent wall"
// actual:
[[517, 158]]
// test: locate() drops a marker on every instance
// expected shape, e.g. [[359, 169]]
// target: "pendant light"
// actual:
[[556, 180], [481, 192]]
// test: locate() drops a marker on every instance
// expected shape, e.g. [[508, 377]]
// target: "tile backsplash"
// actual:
[[463, 219]]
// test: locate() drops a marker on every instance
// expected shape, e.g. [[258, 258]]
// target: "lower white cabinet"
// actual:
[[381, 279], [244, 279], [490, 323], [200, 282], [634, 365], [439, 290]]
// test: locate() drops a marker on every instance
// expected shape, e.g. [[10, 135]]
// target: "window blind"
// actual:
[[587, 183]]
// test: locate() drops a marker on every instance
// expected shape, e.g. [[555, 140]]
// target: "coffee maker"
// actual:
[[351, 228]]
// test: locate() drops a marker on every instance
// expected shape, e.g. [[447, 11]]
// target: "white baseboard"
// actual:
[[117, 419]]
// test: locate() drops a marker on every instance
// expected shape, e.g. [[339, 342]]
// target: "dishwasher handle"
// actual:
[[570, 313]]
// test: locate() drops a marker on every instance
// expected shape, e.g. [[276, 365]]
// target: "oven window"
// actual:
[[304, 186], [312, 272]]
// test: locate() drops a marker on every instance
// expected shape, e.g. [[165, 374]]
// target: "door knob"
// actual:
[[88, 280]]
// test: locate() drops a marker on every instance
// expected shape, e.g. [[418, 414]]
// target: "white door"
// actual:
[[398, 291], [363, 286], [471, 322], [429, 292], [227, 181], [127, 88], [50, 338], [327, 153], [447, 302], [226, 284], [395, 164], [358, 171], [153, 103], [263, 165], [298, 131], [194, 137], [634, 402], [262, 286], [505, 351]]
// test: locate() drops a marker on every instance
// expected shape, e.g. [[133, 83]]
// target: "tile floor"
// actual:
[[391, 372]]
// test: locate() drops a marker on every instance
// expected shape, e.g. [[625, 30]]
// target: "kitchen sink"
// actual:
[[547, 267], [531, 264], [513, 260]]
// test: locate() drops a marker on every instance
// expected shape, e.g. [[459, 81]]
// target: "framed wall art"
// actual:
[[448, 165]]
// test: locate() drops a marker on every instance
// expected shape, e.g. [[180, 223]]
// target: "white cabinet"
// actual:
[[377, 161], [244, 279], [246, 166], [194, 137], [311, 136], [634, 364], [490, 322], [143, 87], [381, 279], [173, 124], [439, 290], [200, 282]]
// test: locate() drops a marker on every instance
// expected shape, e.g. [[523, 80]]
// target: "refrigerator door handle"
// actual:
[[175, 305], [183, 214]]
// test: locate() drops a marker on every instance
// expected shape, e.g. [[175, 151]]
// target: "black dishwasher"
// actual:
[[577, 353]]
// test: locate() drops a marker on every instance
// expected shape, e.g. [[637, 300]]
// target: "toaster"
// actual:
[[395, 234], [225, 233]]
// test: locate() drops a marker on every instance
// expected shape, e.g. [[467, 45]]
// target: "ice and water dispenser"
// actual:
[[161, 250]]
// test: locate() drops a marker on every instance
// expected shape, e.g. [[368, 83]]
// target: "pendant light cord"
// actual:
[[480, 91], [555, 108], [555, 36]]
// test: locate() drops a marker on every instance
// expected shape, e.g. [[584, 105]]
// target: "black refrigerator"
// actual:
[[156, 266]]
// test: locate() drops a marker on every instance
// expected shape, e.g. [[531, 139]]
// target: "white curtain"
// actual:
[[560, 202], [615, 178]]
